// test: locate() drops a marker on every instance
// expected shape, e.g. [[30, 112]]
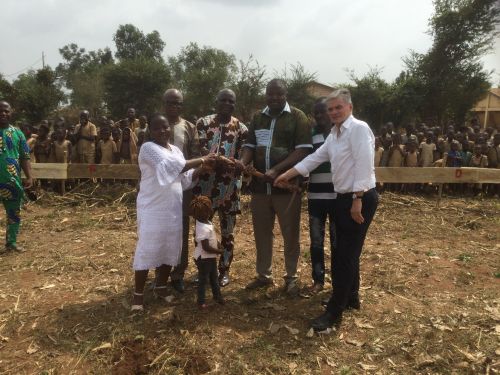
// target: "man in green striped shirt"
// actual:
[[320, 196]]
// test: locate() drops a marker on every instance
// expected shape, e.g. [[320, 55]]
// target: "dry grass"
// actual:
[[430, 300]]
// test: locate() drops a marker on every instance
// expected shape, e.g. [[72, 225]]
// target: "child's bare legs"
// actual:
[[140, 281], [162, 274]]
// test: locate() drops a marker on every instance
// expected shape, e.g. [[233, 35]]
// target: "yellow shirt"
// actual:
[[61, 151], [108, 149]]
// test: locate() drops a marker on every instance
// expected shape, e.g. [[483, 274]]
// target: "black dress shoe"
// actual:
[[224, 279], [178, 285], [353, 304], [325, 321]]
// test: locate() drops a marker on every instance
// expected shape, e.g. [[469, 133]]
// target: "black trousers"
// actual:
[[350, 239], [207, 272]]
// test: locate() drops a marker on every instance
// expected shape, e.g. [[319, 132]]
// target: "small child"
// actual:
[[61, 147], [106, 148], [379, 150], [478, 160], [453, 158], [41, 147], [127, 147], [412, 160], [427, 149], [207, 249]]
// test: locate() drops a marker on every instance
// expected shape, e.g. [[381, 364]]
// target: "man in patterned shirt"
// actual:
[[14, 156], [278, 138], [223, 134]]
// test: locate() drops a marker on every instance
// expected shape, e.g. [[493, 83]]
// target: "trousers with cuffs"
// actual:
[[350, 239]]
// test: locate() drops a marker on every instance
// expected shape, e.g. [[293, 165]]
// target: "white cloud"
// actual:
[[326, 36]]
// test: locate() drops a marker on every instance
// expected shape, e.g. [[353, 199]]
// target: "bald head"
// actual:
[[225, 92], [84, 117], [173, 102], [172, 95]]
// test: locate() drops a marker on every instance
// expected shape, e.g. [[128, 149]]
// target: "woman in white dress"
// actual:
[[164, 175]]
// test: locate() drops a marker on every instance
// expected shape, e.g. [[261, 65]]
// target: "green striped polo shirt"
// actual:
[[320, 180]]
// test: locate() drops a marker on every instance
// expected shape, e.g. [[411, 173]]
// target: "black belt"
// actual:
[[349, 195]]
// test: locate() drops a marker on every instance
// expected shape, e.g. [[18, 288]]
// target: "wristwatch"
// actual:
[[356, 196]]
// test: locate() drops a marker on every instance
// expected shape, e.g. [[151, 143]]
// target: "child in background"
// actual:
[[386, 144], [396, 153], [140, 140], [396, 158], [41, 146], [127, 147], [106, 148], [478, 160], [207, 249], [379, 150], [61, 147], [427, 149], [453, 158], [412, 159], [143, 127]]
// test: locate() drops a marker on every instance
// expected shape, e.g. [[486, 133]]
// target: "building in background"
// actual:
[[487, 110]]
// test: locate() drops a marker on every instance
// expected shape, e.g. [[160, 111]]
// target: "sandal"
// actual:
[[137, 308]]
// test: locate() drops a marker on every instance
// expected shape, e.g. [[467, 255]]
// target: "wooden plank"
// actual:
[[438, 175], [107, 171], [435, 175], [53, 171]]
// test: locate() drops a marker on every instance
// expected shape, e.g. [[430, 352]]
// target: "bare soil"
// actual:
[[430, 298]]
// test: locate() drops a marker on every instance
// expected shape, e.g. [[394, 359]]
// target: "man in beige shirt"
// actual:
[[184, 135], [131, 121], [86, 135]]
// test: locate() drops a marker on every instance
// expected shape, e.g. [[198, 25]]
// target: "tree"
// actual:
[[249, 85], [370, 94], [5, 89], [201, 73], [131, 43], [37, 94], [451, 74], [135, 83], [82, 74], [297, 81]]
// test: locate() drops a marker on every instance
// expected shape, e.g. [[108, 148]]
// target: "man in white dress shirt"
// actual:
[[350, 150]]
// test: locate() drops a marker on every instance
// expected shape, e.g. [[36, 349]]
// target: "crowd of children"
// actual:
[[113, 142], [424, 146], [413, 146]]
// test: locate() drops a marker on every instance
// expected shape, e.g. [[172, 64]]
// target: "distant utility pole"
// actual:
[[43, 60]]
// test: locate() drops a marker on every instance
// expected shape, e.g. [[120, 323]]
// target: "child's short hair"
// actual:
[[200, 206]]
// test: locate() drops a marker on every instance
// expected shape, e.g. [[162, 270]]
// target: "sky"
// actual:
[[328, 37]]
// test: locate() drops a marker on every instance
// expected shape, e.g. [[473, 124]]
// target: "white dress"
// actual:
[[159, 206]]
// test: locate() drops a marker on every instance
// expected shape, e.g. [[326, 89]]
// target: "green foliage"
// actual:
[[5, 89], [297, 80], [370, 95], [82, 73], [201, 72], [131, 43], [249, 85], [36, 94], [135, 83], [450, 75]]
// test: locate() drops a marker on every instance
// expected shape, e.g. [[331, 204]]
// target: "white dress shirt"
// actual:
[[351, 154]]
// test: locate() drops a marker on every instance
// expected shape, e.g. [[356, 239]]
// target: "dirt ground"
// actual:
[[430, 298]]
